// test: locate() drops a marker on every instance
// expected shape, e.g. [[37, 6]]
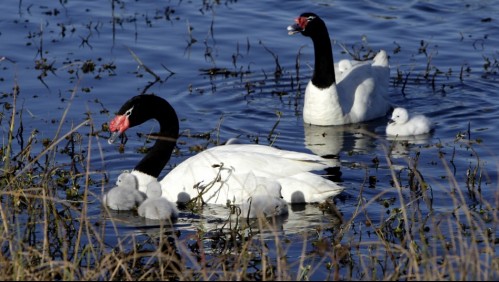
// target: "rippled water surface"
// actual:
[[443, 58]]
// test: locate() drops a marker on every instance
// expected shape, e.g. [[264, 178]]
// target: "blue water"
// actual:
[[443, 58]]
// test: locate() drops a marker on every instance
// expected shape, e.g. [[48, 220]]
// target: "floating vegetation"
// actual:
[[220, 71], [405, 243]]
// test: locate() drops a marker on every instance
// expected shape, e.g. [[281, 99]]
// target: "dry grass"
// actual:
[[49, 233], [49, 228]]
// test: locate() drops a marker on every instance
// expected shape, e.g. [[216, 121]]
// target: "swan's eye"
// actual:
[[129, 112]]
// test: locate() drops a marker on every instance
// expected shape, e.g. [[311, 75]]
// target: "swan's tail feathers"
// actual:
[[308, 187], [381, 59]]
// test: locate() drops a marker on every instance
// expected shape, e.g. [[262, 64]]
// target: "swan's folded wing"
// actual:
[[222, 173], [308, 187]]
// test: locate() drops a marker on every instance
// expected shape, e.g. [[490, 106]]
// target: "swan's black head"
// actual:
[[308, 24], [140, 109]]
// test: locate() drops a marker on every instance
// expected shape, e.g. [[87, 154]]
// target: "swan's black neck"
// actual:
[[323, 76], [148, 107]]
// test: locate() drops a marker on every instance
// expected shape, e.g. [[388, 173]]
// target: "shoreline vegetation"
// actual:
[[47, 234]]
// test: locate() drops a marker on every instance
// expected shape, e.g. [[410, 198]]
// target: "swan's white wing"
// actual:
[[360, 93], [223, 172], [363, 92], [307, 187]]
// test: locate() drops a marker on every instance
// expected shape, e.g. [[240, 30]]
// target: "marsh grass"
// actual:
[[48, 232]]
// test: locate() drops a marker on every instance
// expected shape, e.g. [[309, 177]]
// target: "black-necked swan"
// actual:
[[401, 124], [349, 92], [228, 173], [125, 195], [155, 206]]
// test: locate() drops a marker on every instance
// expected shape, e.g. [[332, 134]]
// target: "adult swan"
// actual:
[[237, 173], [348, 92]]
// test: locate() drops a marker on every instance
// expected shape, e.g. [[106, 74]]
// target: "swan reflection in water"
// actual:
[[343, 141], [401, 146], [361, 138], [215, 219], [330, 141]]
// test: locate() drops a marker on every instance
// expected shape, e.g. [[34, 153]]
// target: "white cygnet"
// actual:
[[264, 206], [401, 124], [261, 197], [344, 65], [155, 206], [124, 196]]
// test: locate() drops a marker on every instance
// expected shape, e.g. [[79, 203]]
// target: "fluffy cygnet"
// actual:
[[344, 65], [401, 124], [125, 195], [155, 206], [264, 206]]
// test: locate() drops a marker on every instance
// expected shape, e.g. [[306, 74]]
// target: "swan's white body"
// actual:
[[124, 196], [239, 174], [359, 94], [236, 172], [342, 93], [401, 124], [155, 206]]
